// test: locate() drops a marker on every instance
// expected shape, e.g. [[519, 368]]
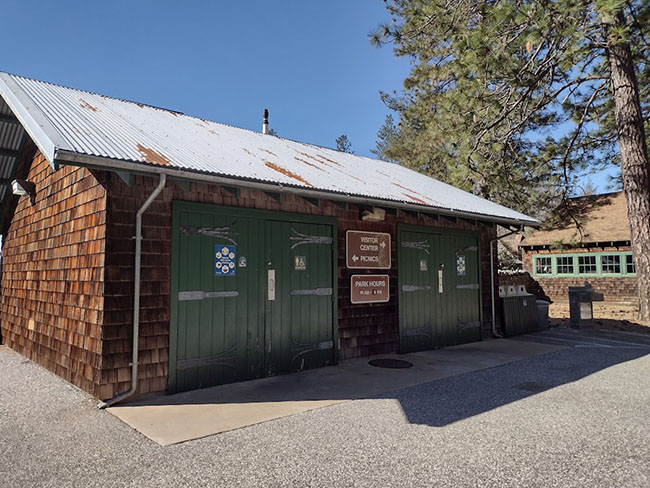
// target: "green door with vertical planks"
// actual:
[[419, 310], [224, 324], [438, 283], [467, 288], [299, 317]]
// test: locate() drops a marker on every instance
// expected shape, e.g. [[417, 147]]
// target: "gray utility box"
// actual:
[[519, 311], [581, 308], [542, 314]]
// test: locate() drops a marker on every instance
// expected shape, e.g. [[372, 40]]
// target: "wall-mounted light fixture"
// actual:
[[23, 187], [377, 215]]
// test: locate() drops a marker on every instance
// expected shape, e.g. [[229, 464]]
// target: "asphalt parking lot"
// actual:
[[574, 417]]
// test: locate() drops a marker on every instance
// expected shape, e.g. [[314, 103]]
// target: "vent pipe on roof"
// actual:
[[265, 121]]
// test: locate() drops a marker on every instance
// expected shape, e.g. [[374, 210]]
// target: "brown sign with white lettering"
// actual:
[[369, 288], [367, 250]]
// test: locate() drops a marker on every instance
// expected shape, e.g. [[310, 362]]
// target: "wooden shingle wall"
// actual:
[[363, 329], [53, 273], [67, 294]]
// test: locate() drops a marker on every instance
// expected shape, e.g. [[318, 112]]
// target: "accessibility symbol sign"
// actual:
[[300, 263], [224, 260]]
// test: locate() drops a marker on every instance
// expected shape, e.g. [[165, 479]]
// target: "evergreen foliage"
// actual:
[[515, 99], [343, 144], [510, 100]]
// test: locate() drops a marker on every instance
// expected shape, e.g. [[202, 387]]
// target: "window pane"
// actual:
[[586, 264], [565, 265], [629, 264], [543, 265], [611, 264]]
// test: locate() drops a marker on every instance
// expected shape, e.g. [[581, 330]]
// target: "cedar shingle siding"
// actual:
[[53, 274], [363, 330], [67, 294]]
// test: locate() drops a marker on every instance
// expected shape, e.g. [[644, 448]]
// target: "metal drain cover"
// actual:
[[533, 387], [390, 363]]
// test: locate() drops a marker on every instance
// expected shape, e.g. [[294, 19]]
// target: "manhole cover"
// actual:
[[390, 363], [533, 387]]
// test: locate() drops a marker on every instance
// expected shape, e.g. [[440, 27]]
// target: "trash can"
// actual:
[[519, 313], [542, 314], [581, 311]]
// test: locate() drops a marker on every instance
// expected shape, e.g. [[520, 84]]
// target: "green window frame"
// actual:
[[544, 265], [584, 264], [587, 264], [564, 265], [610, 264]]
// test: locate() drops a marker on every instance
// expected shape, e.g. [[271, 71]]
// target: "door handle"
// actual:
[[271, 284], [440, 278]]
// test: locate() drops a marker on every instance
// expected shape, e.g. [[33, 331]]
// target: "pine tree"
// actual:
[[343, 144], [513, 99], [386, 137]]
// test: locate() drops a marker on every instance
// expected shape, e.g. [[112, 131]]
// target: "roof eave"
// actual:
[[33, 120], [109, 164]]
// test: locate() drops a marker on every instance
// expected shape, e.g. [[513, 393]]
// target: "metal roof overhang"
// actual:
[[12, 138], [137, 167]]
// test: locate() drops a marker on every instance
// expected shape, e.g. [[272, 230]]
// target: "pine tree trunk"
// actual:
[[635, 167]]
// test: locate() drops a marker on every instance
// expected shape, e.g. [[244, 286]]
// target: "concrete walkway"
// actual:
[[170, 419]]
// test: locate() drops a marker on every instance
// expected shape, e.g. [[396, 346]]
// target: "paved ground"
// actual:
[[169, 419], [574, 417]]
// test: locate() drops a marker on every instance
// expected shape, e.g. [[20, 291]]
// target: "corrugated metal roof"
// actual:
[[65, 121]]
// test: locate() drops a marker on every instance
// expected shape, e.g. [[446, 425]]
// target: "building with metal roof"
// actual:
[[146, 250], [73, 126]]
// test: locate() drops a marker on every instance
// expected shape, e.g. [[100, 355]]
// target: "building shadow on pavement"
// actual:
[[443, 386], [450, 400]]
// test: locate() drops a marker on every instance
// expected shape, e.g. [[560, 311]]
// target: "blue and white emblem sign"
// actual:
[[224, 260]]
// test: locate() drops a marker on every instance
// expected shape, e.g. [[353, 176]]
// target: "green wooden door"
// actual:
[[299, 301], [439, 293], [225, 327], [419, 309], [447, 291], [467, 289], [219, 313]]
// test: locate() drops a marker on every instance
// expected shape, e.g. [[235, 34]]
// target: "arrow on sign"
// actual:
[[383, 244], [355, 258]]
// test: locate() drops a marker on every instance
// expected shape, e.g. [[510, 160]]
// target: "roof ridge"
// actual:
[[93, 93], [183, 114], [185, 148], [596, 195]]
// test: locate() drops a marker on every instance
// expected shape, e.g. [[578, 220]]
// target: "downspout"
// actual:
[[494, 319], [136, 296]]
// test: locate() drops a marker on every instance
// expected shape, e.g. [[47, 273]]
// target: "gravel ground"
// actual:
[[575, 417], [607, 316]]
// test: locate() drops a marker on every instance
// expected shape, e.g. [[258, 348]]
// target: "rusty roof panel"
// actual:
[[73, 121]]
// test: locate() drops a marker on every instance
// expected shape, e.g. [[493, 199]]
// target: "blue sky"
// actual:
[[308, 62]]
